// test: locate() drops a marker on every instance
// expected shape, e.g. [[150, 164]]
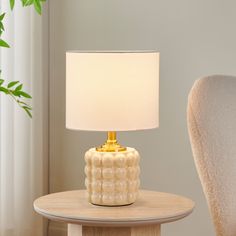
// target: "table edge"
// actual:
[[107, 222]]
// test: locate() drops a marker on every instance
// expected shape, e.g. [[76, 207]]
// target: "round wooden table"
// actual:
[[144, 217]]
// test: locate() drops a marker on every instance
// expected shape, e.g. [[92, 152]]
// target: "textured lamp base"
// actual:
[[112, 178]]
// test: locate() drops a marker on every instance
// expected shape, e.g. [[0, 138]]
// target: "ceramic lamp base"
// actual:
[[112, 178]]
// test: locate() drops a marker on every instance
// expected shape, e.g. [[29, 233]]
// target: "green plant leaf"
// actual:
[[11, 84], [1, 81], [1, 27], [23, 2], [2, 16], [22, 102], [12, 4], [19, 87], [4, 90], [27, 107], [27, 2], [16, 93], [37, 6], [24, 94], [4, 44], [28, 112]]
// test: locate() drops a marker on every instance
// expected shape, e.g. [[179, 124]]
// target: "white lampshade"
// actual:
[[112, 91]]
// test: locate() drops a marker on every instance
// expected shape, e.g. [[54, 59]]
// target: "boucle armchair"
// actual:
[[212, 130]]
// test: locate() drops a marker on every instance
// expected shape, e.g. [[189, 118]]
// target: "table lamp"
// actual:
[[112, 91]]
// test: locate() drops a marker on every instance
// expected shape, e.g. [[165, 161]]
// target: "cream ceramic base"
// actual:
[[112, 178]]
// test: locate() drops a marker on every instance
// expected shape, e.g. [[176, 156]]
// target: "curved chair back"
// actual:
[[212, 130]]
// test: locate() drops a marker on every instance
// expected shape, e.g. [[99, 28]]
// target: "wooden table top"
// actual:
[[150, 208]]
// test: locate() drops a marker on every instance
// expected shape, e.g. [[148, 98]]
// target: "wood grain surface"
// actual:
[[78, 230], [150, 208]]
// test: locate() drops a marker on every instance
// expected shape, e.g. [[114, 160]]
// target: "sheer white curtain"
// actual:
[[23, 141]]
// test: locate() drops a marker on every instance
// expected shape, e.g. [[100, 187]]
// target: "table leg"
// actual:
[[74, 230], [78, 230]]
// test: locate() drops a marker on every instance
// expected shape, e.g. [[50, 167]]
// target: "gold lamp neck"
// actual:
[[111, 144]]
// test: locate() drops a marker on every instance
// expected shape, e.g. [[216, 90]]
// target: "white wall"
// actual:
[[194, 38]]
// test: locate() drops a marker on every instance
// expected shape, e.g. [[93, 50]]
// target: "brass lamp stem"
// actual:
[[111, 144], [111, 136]]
